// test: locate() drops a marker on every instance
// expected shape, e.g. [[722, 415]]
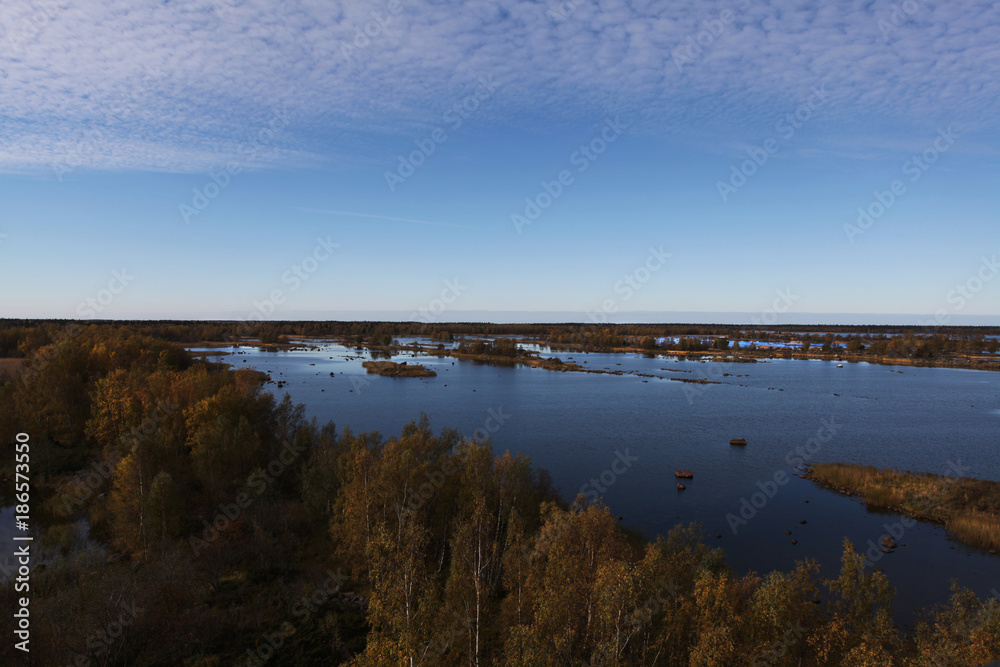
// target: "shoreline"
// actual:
[[535, 360], [968, 508]]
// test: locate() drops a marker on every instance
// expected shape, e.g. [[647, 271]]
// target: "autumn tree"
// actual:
[[117, 407], [572, 548], [860, 631]]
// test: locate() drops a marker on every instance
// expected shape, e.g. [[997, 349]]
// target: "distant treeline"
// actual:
[[20, 336], [227, 529]]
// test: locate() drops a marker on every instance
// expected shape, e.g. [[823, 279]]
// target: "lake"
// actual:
[[623, 436]]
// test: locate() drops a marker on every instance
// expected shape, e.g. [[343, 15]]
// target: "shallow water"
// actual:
[[576, 425]]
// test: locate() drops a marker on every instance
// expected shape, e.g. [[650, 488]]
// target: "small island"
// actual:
[[398, 370]]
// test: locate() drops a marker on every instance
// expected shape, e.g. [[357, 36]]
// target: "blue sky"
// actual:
[[733, 159]]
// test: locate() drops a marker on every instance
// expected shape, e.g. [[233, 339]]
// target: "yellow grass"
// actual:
[[969, 508]]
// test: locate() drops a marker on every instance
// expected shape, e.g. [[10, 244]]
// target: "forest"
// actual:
[[18, 337], [189, 518]]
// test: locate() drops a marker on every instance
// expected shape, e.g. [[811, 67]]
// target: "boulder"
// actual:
[[683, 474]]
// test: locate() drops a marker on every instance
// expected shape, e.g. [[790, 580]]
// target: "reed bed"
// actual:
[[969, 508]]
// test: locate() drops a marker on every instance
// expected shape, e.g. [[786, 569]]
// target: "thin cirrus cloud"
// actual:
[[186, 86]]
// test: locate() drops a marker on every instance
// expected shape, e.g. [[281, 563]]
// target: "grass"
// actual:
[[968, 508], [392, 369], [533, 360]]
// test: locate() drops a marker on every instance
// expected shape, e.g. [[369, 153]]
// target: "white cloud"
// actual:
[[180, 85]]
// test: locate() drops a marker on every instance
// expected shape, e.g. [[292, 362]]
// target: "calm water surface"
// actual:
[[577, 424]]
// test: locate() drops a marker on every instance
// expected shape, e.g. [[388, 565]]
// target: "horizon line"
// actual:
[[735, 318]]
